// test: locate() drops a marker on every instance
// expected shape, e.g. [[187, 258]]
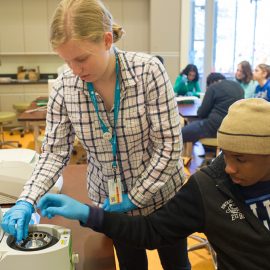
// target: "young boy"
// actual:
[[229, 201]]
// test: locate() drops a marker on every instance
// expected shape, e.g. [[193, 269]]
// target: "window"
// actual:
[[239, 33], [198, 27]]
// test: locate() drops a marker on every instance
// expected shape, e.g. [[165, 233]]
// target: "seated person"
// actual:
[[186, 83], [228, 200], [219, 96], [244, 76], [261, 75]]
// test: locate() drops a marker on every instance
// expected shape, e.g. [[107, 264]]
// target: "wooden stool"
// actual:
[[20, 108], [203, 243], [40, 139], [5, 118], [211, 142]]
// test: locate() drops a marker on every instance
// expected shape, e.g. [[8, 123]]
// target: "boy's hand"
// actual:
[[62, 205]]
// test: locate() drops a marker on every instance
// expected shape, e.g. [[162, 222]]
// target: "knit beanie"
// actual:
[[246, 128]]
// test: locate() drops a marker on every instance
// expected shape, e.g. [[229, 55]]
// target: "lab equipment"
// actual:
[[20, 214], [16, 167], [46, 247]]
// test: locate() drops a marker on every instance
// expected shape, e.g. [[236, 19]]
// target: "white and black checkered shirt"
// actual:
[[148, 135]]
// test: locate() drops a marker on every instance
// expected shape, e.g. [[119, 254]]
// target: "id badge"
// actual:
[[115, 190]]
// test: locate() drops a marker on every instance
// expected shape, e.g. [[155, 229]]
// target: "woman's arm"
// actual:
[[193, 89], [179, 86], [56, 148]]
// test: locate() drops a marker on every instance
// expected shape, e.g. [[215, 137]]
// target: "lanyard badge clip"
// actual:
[[115, 189]]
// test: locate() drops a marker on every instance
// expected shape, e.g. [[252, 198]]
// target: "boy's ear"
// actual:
[[108, 40]]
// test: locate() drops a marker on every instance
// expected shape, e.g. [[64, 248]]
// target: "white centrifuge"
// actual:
[[46, 247]]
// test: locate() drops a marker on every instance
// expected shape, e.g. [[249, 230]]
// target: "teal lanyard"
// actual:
[[105, 129]]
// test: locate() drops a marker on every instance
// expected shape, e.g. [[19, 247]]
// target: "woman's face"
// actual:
[[191, 75], [87, 59], [239, 73], [259, 74]]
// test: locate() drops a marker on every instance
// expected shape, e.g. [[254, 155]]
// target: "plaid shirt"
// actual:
[[148, 135]]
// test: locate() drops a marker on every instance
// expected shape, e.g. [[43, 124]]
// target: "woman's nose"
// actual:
[[77, 69]]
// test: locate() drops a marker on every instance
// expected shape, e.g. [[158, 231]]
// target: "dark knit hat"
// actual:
[[246, 128]]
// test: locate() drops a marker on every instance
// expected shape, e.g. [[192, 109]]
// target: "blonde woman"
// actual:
[[121, 106], [262, 76]]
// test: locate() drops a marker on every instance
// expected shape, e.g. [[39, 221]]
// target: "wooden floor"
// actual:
[[200, 259]]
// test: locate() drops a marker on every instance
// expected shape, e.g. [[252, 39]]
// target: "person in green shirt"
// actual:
[[244, 76], [186, 83]]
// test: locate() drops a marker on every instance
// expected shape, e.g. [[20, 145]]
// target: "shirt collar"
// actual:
[[128, 76]]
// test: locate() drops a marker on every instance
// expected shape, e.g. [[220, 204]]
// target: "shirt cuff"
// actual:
[[95, 218]]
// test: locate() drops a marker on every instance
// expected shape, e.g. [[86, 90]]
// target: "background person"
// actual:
[[121, 106], [219, 96], [228, 200], [245, 77], [261, 75], [187, 82]]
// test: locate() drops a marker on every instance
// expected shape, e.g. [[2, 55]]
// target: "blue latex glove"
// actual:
[[62, 205], [125, 206], [17, 219]]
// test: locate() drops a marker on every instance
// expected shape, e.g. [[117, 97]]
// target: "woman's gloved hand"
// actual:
[[16, 220], [62, 205], [125, 206]]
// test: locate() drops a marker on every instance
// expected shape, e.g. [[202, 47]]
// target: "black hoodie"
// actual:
[[210, 203]]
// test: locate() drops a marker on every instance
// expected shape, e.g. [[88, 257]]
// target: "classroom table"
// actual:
[[189, 111], [95, 249]]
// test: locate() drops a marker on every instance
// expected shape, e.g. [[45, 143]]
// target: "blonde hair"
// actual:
[[82, 20], [265, 68]]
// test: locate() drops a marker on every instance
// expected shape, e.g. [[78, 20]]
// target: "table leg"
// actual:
[[188, 149], [36, 134], [36, 129]]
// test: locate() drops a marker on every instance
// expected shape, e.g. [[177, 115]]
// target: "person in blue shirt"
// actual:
[[187, 82], [261, 75], [244, 76]]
